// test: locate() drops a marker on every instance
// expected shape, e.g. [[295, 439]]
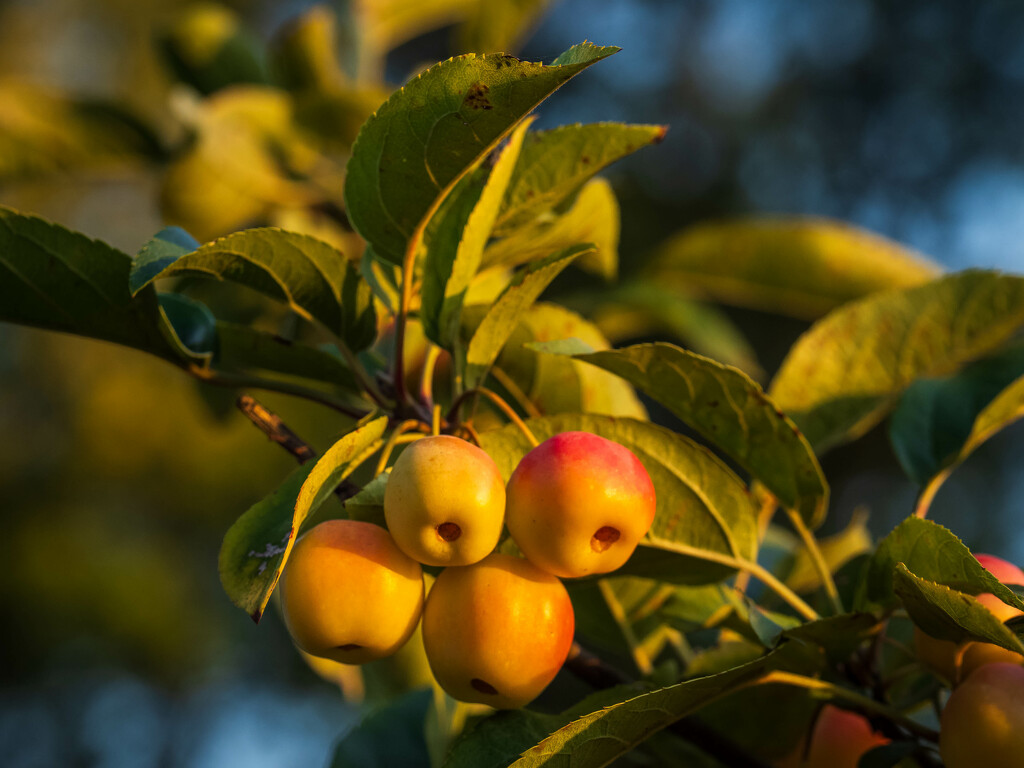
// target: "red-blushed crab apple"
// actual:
[[445, 502], [349, 594], [578, 504], [839, 738], [498, 631]]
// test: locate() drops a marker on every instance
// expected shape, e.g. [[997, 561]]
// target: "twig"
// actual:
[[817, 559], [270, 424], [499, 401], [238, 381]]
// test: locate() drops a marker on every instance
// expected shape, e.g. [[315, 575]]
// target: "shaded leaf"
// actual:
[[53, 278], [700, 502], [314, 279], [432, 131], [390, 736], [728, 408], [368, 504], [503, 316], [192, 322], [455, 243], [554, 164], [599, 737], [846, 372], [791, 265], [930, 552], [257, 545], [948, 614], [940, 422]]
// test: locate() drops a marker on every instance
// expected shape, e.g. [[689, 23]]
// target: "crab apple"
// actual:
[[941, 655], [838, 740], [445, 502], [578, 504], [349, 594], [498, 631], [982, 723]]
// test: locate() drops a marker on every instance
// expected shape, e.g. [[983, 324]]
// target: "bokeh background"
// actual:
[[118, 476]]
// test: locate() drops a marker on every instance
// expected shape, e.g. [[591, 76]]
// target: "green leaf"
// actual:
[[560, 384], [44, 131], [304, 53], [592, 218], [554, 164], [53, 278], [846, 372], [503, 316], [313, 278], [168, 244], [700, 502], [368, 504], [257, 546], [193, 323], [931, 552], [425, 137], [939, 422], [456, 245], [208, 48], [791, 265], [242, 348], [948, 614], [601, 624], [496, 741], [391, 736], [599, 737], [728, 408]]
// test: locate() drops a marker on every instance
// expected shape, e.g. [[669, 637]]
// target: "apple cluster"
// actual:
[[496, 627]]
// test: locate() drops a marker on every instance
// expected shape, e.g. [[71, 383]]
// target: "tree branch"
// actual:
[[270, 424]]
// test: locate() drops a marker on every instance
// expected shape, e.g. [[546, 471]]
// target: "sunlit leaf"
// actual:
[[504, 315], [311, 277], [431, 132], [845, 374], [44, 131], [257, 546], [592, 218], [700, 502], [556, 163], [728, 408], [948, 614], [794, 266], [456, 240]]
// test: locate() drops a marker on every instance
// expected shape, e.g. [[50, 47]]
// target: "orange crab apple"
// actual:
[[349, 594], [982, 723], [578, 504], [498, 631], [445, 502]]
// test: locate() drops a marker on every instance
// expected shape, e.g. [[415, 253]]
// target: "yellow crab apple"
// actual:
[[498, 631], [578, 504], [982, 723], [445, 502], [349, 594]]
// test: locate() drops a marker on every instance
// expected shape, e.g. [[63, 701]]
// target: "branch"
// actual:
[[270, 424]]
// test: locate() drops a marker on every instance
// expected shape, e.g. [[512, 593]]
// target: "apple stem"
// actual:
[[503, 406]]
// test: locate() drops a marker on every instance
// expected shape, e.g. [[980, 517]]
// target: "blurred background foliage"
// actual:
[[119, 476]]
